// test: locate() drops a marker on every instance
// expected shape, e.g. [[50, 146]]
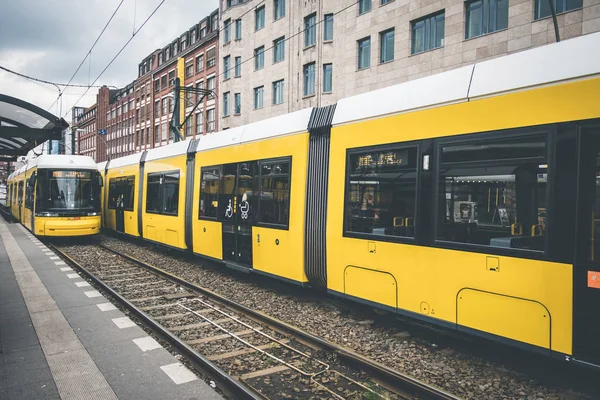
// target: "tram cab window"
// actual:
[[275, 192], [121, 190], [29, 194], [493, 193], [162, 193], [381, 191], [209, 192]]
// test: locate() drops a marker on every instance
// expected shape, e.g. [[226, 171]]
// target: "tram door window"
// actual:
[[209, 192], [382, 191], [586, 319], [493, 193], [237, 212]]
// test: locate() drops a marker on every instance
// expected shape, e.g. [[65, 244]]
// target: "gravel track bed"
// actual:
[[463, 374]]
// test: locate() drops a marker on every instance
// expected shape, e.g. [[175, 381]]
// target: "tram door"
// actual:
[[586, 310], [120, 217], [236, 206]]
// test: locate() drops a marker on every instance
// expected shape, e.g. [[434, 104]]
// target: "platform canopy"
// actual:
[[23, 126]]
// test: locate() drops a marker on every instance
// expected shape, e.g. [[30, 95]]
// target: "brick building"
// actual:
[[136, 117], [279, 56]]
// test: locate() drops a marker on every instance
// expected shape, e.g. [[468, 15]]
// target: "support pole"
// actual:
[[554, 20]]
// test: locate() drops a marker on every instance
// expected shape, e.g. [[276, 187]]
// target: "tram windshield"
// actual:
[[68, 191]]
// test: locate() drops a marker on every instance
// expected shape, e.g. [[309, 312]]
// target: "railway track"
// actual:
[[248, 353]]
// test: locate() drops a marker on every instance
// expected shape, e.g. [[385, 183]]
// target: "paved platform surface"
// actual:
[[61, 339]]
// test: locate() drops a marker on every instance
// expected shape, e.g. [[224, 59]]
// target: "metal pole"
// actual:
[[553, 11]]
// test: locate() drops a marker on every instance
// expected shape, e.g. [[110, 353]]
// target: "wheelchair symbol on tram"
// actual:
[[229, 211], [244, 206]]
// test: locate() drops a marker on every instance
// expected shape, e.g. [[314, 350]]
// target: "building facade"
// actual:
[[279, 56], [136, 117], [85, 132]]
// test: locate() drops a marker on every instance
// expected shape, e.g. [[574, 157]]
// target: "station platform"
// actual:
[[61, 339]]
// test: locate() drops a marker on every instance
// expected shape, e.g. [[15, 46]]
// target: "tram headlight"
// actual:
[[46, 214], [92, 214]]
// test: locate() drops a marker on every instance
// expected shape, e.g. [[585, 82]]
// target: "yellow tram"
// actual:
[[468, 199], [57, 195]]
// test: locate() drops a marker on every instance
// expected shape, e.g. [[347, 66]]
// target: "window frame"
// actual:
[[259, 51], [261, 90], [423, 20], [286, 226], [310, 30], [305, 74], [274, 103], [219, 167], [227, 31], [259, 10], [468, 12], [280, 41], [325, 77], [546, 131], [358, 43], [281, 4], [227, 67], [415, 144], [238, 29], [162, 191], [382, 41], [327, 18], [362, 6]]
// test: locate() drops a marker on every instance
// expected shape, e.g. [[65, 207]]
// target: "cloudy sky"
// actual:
[[47, 39]]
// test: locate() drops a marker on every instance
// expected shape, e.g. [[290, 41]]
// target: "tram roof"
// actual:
[[24, 126], [57, 161], [558, 62]]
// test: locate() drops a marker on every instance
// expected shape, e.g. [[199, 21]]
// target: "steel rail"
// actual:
[[227, 383], [399, 380]]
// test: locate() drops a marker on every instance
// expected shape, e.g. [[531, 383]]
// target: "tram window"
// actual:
[[153, 193], [121, 189], [381, 191], [171, 193], [275, 192], [499, 201], [209, 192], [20, 192], [29, 195], [162, 193]]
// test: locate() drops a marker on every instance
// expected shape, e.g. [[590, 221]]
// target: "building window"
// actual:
[[542, 7], [199, 123], [165, 105], [171, 78], [274, 192], [157, 108], [238, 67], [259, 18], [259, 58], [309, 79], [328, 27], [383, 2], [386, 46], [364, 6], [278, 92], [210, 58], [189, 70], [327, 78], [238, 29], [278, 49], [364, 53], [279, 9], [210, 120], [258, 97], [162, 193], [381, 195], [226, 67], [210, 83], [188, 127], [492, 192], [227, 31], [200, 63], [428, 33], [310, 30], [486, 16], [226, 96], [237, 100]]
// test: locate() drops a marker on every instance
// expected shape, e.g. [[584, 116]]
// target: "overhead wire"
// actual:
[[90, 50], [118, 53], [42, 80]]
